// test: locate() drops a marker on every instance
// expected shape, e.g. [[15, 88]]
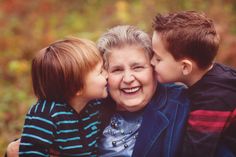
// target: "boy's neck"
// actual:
[[78, 103], [196, 75]]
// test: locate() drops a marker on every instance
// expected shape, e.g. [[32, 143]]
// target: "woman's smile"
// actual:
[[131, 90]]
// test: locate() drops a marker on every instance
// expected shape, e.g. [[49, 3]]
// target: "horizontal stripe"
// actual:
[[92, 143], [209, 121], [67, 139], [32, 152], [95, 113], [91, 124], [207, 124], [71, 147], [67, 122], [67, 131], [91, 134], [61, 105], [81, 154], [61, 113], [26, 144], [40, 119], [94, 127], [208, 113], [87, 118], [38, 128], [37, 137]]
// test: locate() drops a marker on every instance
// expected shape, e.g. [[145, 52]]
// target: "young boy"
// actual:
[[66, 75], [185, 45]]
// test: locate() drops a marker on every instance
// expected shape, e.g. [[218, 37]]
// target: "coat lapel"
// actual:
[[153, 124]]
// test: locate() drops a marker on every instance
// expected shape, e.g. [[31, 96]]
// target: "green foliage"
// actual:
[[27, 27]]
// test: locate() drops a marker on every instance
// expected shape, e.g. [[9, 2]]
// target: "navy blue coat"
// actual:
[[163, 125]]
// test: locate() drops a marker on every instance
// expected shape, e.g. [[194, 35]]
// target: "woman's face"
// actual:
[[130, 78]]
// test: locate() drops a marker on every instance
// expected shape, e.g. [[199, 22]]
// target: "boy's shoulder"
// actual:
[[47, 108], [217, 87], [222, 71], [220, 77]]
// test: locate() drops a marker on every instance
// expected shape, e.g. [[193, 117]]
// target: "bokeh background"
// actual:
[[29, 25]]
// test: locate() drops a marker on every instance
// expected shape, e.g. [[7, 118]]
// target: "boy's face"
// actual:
[[96, 83], [166, 67]]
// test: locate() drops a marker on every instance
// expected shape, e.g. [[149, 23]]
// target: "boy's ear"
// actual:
[[187, 66]]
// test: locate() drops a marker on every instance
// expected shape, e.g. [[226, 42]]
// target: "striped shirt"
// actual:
[[57, 129], [212, 117]]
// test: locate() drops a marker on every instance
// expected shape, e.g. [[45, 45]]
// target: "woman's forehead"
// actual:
[[125, 55]]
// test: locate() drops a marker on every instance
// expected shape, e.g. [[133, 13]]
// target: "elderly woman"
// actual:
[[150, 117]]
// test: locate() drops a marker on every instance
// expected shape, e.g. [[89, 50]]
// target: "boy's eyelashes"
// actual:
[[158, 59], [102, 71]]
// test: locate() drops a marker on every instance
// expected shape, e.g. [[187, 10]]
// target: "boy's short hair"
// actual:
[[59, 70], [188, 34]]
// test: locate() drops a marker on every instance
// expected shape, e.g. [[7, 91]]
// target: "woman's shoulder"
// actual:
[[175, 93]]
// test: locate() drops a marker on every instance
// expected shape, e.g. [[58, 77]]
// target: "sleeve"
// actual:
[[38, 133], [205, 127]]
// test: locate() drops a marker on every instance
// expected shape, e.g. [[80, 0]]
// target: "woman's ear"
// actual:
[[187, 66]]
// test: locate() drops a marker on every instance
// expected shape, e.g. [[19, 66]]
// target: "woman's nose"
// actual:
[[128, 77]]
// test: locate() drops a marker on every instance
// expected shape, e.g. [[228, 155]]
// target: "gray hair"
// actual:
[[121, 36]]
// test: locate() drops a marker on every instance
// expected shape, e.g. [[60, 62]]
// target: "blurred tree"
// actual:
[[27, 26]]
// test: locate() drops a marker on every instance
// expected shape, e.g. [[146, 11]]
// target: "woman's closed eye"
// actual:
[[115, 70], [138, 68]]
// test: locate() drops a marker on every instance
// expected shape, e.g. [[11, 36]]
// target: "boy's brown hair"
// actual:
[[59, 70], [188, 34]]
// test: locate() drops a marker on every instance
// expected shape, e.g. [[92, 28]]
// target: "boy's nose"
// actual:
[[152, 62], [105, 74]]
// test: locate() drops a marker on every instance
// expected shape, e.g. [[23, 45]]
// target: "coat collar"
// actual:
[[150, 131]]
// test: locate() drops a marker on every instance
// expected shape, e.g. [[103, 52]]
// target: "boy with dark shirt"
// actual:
[[185, 45]]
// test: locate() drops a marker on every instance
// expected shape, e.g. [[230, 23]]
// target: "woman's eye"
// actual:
[[138, 68], [115, 70]]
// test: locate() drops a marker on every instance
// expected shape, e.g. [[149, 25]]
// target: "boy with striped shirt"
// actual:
[[66, 76]]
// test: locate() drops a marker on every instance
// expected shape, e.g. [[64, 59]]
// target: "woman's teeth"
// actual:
[[131, 90]]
